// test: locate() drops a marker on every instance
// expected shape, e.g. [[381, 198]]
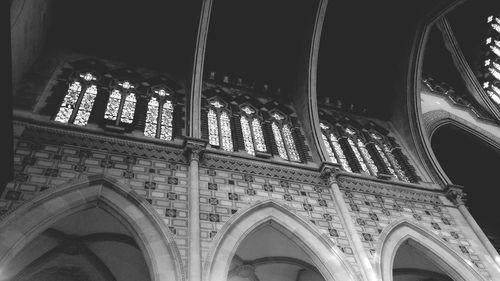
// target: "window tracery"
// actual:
[[251, 127], [219, 126], [78, 101], [283, 138], [121, 104], [371, 153], [159, 116], [491, 82]]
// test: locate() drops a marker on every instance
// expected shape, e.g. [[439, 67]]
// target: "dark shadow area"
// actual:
[[259, 41], [470, 162]]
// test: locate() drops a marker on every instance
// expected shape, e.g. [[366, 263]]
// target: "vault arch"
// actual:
[[153, 237], [323, 253], [428, 244]]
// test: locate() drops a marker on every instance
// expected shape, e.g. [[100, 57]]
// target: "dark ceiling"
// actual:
[[150, 33], [478, 175], [363, 51]]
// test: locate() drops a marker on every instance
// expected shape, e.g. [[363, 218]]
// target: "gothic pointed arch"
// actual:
[[153, 237], [425, 242], [325, 256], [435, 119]]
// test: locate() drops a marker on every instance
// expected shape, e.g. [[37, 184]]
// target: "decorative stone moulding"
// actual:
[[392, 189]]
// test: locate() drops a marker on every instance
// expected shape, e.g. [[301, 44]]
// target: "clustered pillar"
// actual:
[[361, 256]]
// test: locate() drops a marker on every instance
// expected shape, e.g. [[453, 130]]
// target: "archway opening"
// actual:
[[411, 264], [269, 254], [92, 244], [472, 163]]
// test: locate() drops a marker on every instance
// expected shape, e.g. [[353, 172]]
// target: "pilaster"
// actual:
[[328, 172], [456, 195], [193, 150]]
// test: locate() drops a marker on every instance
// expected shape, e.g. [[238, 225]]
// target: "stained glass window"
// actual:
[[128, 108], [283, 138], [166, 121], [279, 141], [260, 145], [253, 137], [367, 156], [87, 102], [340, 153], [78, 101], [213, 128], [152, 118], [290, 143], [360, 159], [69, 103], [159, 117], [121, 104], [333, 147], [329, 149], [247, 135], [397, 166], [491, 84], [219, 126], [225, 126], [113, 105]]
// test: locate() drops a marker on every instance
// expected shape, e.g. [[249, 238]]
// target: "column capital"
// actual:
[[194, 148], [328, 172], [455, 194]]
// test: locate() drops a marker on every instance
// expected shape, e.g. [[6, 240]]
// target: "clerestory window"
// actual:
[[251, 128], [78, 101], [366, 152], [283, 138], [121, 103], [491, 84], [219, 126], [160, 115]]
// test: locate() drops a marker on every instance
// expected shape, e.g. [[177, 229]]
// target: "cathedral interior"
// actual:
[[213, 140]]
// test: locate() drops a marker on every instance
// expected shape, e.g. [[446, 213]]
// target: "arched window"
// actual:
[[283, 138], [251, 128], [330, 138], [160, 115], [219, 126], [362, 156], [366, 152], [78, 101], [491, 84], [121, 104], [385, 150]]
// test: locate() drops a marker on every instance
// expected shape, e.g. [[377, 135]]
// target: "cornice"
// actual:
[[397, 190], [66, 136], [259, 168]]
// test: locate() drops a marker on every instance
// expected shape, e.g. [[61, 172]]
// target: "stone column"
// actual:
[[359, 251], [194, 151], [456, 195]]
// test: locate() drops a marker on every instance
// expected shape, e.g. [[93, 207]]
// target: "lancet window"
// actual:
[[121, 103], [78, 101], [362, 156], [283, 138], [491, 83], [251, 127], [331, 141], [160, 114], [366, 152], [219, 126]]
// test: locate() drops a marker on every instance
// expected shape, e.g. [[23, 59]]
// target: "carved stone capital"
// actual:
[[455, 194], [328, 171], [194, 148]]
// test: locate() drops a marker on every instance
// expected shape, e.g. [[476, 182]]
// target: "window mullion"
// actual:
[[77, 104], [159, 118]]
